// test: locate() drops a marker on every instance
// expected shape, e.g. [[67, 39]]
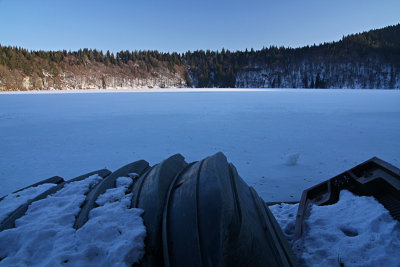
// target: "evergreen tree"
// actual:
[[312, 84]]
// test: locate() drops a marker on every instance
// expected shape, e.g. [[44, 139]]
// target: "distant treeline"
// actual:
[[317, 66], [370, 49], [27, 61]]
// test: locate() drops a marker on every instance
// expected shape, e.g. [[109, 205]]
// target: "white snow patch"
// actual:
[[358, 230], [12, 201], [114, 234], [123, 182]]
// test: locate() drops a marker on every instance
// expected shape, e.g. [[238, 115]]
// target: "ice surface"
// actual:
[[113, 235], [70, 134]]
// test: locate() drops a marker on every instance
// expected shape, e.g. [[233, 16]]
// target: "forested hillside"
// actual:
[[366, 60], [87, 68]]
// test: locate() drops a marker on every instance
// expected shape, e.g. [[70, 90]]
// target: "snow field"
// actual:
[[114, 235]]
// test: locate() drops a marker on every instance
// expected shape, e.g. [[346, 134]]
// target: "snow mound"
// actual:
[[114, 234], [292, 159], [357, 230], [12, 201]]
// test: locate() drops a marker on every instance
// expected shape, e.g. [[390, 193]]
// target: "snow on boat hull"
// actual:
[[9, 222], [109, 182], [51, 180], [374, 177]]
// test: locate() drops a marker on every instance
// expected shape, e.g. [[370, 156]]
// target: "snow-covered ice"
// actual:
[[357, 230], [113, 235], [12, 201], [43, 135]]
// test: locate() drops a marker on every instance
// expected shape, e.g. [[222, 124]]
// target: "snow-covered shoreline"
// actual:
[[138, 90], [174, 90]]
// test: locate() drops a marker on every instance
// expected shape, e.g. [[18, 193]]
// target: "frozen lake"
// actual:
[[261, 132]]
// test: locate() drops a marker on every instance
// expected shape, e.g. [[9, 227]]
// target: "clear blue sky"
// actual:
[[181, 25]]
